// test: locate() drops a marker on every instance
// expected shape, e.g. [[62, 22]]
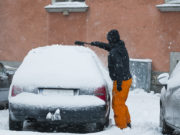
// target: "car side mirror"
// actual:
[[163, 79]]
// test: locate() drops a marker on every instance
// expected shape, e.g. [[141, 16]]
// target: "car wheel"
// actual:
[[99, 126], [94, 127], [161, 115], [15, 125], [107, 122], [165, 128], [107, 118]]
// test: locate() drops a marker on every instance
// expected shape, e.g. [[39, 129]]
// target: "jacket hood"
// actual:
[[113, 36]]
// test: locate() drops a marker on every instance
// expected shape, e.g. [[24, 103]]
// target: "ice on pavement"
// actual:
[[143, 107]]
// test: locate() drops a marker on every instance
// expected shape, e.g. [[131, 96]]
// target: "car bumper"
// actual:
[[78, 115]]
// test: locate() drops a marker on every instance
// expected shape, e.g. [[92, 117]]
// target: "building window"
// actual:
[[172, 1], [60, 1], [67, 6], [69, 0], [169, 5]]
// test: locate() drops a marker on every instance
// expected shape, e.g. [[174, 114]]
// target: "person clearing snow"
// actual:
[[118, 65]]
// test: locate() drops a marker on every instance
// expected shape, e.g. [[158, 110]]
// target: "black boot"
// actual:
[[129, 125]]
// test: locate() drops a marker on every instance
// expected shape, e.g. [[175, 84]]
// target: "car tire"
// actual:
[[107, 122], [99, 126], [107, 118], [15, 125], [165, 128], [161, 115]]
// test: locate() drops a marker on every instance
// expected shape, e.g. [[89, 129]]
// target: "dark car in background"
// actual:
[[60, 85], [6, 74], [170, 101]]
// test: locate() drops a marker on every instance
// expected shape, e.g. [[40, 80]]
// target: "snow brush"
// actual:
[[81, 43]]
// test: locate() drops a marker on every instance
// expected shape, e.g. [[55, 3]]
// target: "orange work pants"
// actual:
[[121, 113]]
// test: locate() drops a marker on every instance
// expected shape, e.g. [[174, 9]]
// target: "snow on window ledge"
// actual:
[[169, 5], [66, 7]]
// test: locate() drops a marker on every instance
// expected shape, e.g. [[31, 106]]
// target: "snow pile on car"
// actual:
[[61, 66], [54, 101]]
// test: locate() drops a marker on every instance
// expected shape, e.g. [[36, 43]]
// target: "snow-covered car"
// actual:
[[4, 87], [60, 85], [5, 81], [170, 101]]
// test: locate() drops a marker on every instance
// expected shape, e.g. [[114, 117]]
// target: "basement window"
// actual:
[[67, 6], [169, 6]]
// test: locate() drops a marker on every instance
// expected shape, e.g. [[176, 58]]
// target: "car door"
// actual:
[[176, 106], [172, 97], [168, 101]]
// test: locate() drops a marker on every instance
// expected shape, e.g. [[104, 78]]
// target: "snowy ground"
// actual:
[[143, 107]]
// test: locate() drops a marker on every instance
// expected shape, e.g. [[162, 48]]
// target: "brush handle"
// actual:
[[81, 43]]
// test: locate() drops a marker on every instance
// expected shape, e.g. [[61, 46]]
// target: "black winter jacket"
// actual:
[[118, 61]]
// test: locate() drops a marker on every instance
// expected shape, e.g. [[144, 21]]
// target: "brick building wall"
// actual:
[[147, 32]]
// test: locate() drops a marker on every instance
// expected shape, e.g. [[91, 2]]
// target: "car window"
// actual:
[[1, 68], [176, 70], [2, 71]]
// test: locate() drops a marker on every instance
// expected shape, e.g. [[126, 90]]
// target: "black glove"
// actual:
[[119, 88], [95, 43]]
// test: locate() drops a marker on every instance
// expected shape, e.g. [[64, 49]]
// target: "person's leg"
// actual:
[[127, 85], [121, 113], [119, 107]]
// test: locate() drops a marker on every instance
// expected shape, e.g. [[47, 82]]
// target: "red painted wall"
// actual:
[[147, 32]]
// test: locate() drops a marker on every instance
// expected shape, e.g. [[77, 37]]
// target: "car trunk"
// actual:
[[55, 100]]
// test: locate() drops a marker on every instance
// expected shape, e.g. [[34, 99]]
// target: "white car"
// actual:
[[170, 101], [60, 85]]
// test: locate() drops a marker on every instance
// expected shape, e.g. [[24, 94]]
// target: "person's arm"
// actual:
[[102, 45], [119, 71]]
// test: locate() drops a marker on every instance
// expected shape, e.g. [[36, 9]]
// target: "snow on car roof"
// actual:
[[60, 66]]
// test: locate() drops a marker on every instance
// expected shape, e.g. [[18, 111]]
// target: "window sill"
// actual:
[[169, 7], [66, 7]]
